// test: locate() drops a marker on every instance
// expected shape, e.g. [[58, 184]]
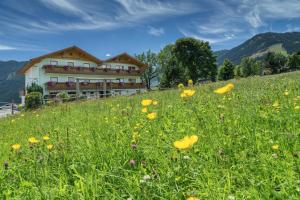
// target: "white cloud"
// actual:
[[156, 31], [108, 55], [253, 17], [211, 40], [5, 47]]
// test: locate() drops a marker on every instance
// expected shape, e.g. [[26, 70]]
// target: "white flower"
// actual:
[[231, 197], [186, 157], [129, 198], [146, 177]]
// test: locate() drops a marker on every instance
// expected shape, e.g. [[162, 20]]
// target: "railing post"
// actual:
[[12, 107]]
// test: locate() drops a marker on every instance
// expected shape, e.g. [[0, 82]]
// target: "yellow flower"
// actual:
[[192, 198], [276, 104], [144, 110], [22, 115], [13, 121], [46, 138], [155, 102], [297, 107], [152, 115], [187, 93], [146, 102], [225, 89], [286, 93], [33, 140], [186, 143], [50, 147], [275, 147], [190, 82], [180, 86], [16, 147]]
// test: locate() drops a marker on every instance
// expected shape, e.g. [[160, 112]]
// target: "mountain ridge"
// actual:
[[259, 43]]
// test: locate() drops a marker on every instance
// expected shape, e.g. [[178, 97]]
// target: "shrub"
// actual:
[[33, 100], [34, 88], [63, 97]]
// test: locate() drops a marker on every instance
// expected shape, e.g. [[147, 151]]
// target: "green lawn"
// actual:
[[232, 159]]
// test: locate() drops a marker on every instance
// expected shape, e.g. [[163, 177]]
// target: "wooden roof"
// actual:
[[126, 58], [72, 52]]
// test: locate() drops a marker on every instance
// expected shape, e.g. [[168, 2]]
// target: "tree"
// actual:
[[294, 61], [227, 70], [151, 72], [34, 88], [276, 62], [238, 71], [196, 58], [171, 73]]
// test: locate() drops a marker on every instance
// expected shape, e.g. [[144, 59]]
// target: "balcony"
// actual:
[[90, 71], [93, 86]]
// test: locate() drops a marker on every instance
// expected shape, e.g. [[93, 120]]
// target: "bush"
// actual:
[[34, 88], [63, 97], [33, 100]]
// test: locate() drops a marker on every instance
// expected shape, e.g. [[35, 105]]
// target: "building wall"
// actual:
[[37, 74]]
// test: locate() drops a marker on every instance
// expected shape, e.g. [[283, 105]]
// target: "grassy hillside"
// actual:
[[248, 146], [260, 44]]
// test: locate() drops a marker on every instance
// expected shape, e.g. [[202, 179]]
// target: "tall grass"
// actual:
[[110, 150]]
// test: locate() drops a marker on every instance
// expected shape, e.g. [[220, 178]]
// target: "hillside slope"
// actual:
[[10, 83], [260, 44], [248, 146]]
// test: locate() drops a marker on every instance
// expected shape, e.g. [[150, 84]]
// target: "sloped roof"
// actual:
[[83, 54], [126, 58]]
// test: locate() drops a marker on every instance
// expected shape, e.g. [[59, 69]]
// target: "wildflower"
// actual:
[[275, 147], [50, 147], [13, 121], [186, 157], [192, 198], [144, 110], [187, 93], [231, 197], [132, 162], [152, 115], [180, 86], [146, 178], [276, 104], [15, 147], [22, 115], [186, 143], [146, 102], [46, 138], [225, 89], [286, 93], [190, 82], [33, 140], [274, 155], [155, 103], [297, 107]]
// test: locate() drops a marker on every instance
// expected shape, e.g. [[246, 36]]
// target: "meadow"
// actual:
[[243, 144]]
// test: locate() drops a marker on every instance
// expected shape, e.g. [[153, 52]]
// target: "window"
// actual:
[[132, 80], [54, 79], [53, 62], [131, 68], [71, 79], [70, 64], [85, 80], [86, 64]]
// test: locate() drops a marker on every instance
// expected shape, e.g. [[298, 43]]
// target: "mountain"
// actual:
[[260, 44], [10, 82]]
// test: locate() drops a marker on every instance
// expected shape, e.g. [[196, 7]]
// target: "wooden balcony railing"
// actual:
[[93, 86], [89, 70]]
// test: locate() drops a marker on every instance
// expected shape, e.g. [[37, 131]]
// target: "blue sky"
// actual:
[[29, 28]]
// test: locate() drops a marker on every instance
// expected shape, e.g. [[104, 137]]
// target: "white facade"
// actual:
[[37, 74]]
